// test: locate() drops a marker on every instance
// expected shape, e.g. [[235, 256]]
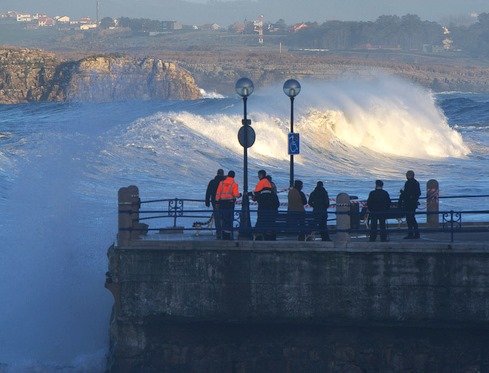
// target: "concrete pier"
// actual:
[[250, 306]]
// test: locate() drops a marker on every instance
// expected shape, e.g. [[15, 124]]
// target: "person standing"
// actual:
[[226, 195], [319, 201], [296, 212], [210, 198], [268, 204], [410, 196], [378, 203], [274, 187]]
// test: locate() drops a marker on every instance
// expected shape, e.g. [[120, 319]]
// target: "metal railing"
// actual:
[[192, 215]]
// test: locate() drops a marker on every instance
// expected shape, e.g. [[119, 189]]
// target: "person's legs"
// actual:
[[383, 230], [226, 211], [323, 227], [217, 222], [411, 223], [373, 227]]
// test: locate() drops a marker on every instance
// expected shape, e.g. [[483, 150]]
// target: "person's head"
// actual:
[[319, 184], [220, 172], [231, 174], [379, 184], [410, 174], [262, 174], [298, 184]]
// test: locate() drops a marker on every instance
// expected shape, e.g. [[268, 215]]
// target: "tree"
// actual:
[[106, 23]]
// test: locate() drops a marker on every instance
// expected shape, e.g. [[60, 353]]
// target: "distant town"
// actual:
[[36, 21], [388, 32]]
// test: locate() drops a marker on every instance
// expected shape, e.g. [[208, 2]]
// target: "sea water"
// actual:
[[61, 165]]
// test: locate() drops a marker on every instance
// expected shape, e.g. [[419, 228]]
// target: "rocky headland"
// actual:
[[28, 75], [34, 75]]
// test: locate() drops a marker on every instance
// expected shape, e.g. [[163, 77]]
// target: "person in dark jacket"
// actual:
[[268, 205], [409, 197], [210, 198], [319, 201], [378, 204], [296, 212]]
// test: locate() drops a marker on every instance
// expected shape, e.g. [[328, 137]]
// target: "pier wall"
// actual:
[[250, 306]]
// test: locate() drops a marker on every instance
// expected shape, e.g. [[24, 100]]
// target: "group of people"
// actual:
[[379, 204], [223, 191]]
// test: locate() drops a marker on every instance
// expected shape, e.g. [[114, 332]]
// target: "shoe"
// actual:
[[370, 240], [416, 236], [409, 237], [383, 240]]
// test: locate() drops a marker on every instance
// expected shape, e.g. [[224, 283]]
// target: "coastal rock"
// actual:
[[35, 75], [25, 74]]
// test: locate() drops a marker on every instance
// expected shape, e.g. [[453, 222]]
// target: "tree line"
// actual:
[[407, 32]]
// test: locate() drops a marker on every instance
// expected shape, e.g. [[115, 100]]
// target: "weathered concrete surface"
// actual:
[[196, 306]]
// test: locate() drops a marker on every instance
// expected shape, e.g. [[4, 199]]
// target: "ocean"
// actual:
[[61, 165]]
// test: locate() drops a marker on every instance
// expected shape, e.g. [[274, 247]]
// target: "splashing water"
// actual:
[[383, 115], [62, 164]]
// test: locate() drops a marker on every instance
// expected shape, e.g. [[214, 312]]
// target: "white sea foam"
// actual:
[[60, 194]]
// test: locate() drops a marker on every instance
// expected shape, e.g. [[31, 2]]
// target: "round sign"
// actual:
[[246, 142]]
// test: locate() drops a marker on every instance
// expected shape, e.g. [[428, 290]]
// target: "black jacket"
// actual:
[[319, 199], [378, 201], [411, 194], [210, 194], [267, 200]]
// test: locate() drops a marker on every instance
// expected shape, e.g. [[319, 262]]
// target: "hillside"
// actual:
[[217, 59]]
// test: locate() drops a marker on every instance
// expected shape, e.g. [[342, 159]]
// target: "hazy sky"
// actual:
[[226, 12]]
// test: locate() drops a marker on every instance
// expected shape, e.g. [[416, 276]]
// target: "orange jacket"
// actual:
[[262, 184], [227, 190]]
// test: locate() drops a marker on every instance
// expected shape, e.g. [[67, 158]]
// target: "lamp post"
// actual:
[[292, 88], [246, 136]]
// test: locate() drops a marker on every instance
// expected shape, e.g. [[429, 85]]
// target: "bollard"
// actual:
[[342, 220], [432, 203], [135, 206], [128, 214], [124, 218]]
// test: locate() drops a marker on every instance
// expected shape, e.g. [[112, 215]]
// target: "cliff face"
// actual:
[[34, 75], [25, 74]]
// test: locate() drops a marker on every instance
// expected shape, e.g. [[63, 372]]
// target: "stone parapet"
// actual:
[[290, 287]]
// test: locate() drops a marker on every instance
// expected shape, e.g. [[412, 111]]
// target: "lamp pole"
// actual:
[[246, 136], [292, 88]]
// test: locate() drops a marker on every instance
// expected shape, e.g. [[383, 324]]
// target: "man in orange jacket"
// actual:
[[226, 195]]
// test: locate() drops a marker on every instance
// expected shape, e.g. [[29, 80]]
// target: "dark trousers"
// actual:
[[265, 223], [217, 220], [380, 218], [296, 222], [321, 221], [226, 214], [412, 224]]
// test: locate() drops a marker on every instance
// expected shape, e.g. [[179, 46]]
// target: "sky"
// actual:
[[226, 12]]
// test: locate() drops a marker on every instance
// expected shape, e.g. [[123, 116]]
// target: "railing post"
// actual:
[[451, 225], [342, 236], [432, 204], [128, 209], [175, 207], [135, 206]]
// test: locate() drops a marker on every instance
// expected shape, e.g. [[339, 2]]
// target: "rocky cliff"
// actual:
[[34, 75]]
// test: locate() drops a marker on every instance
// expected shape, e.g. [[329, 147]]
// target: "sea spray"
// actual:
[[63, 164]]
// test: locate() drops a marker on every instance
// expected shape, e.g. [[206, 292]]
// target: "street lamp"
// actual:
[[246, 136], [292, 88]]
